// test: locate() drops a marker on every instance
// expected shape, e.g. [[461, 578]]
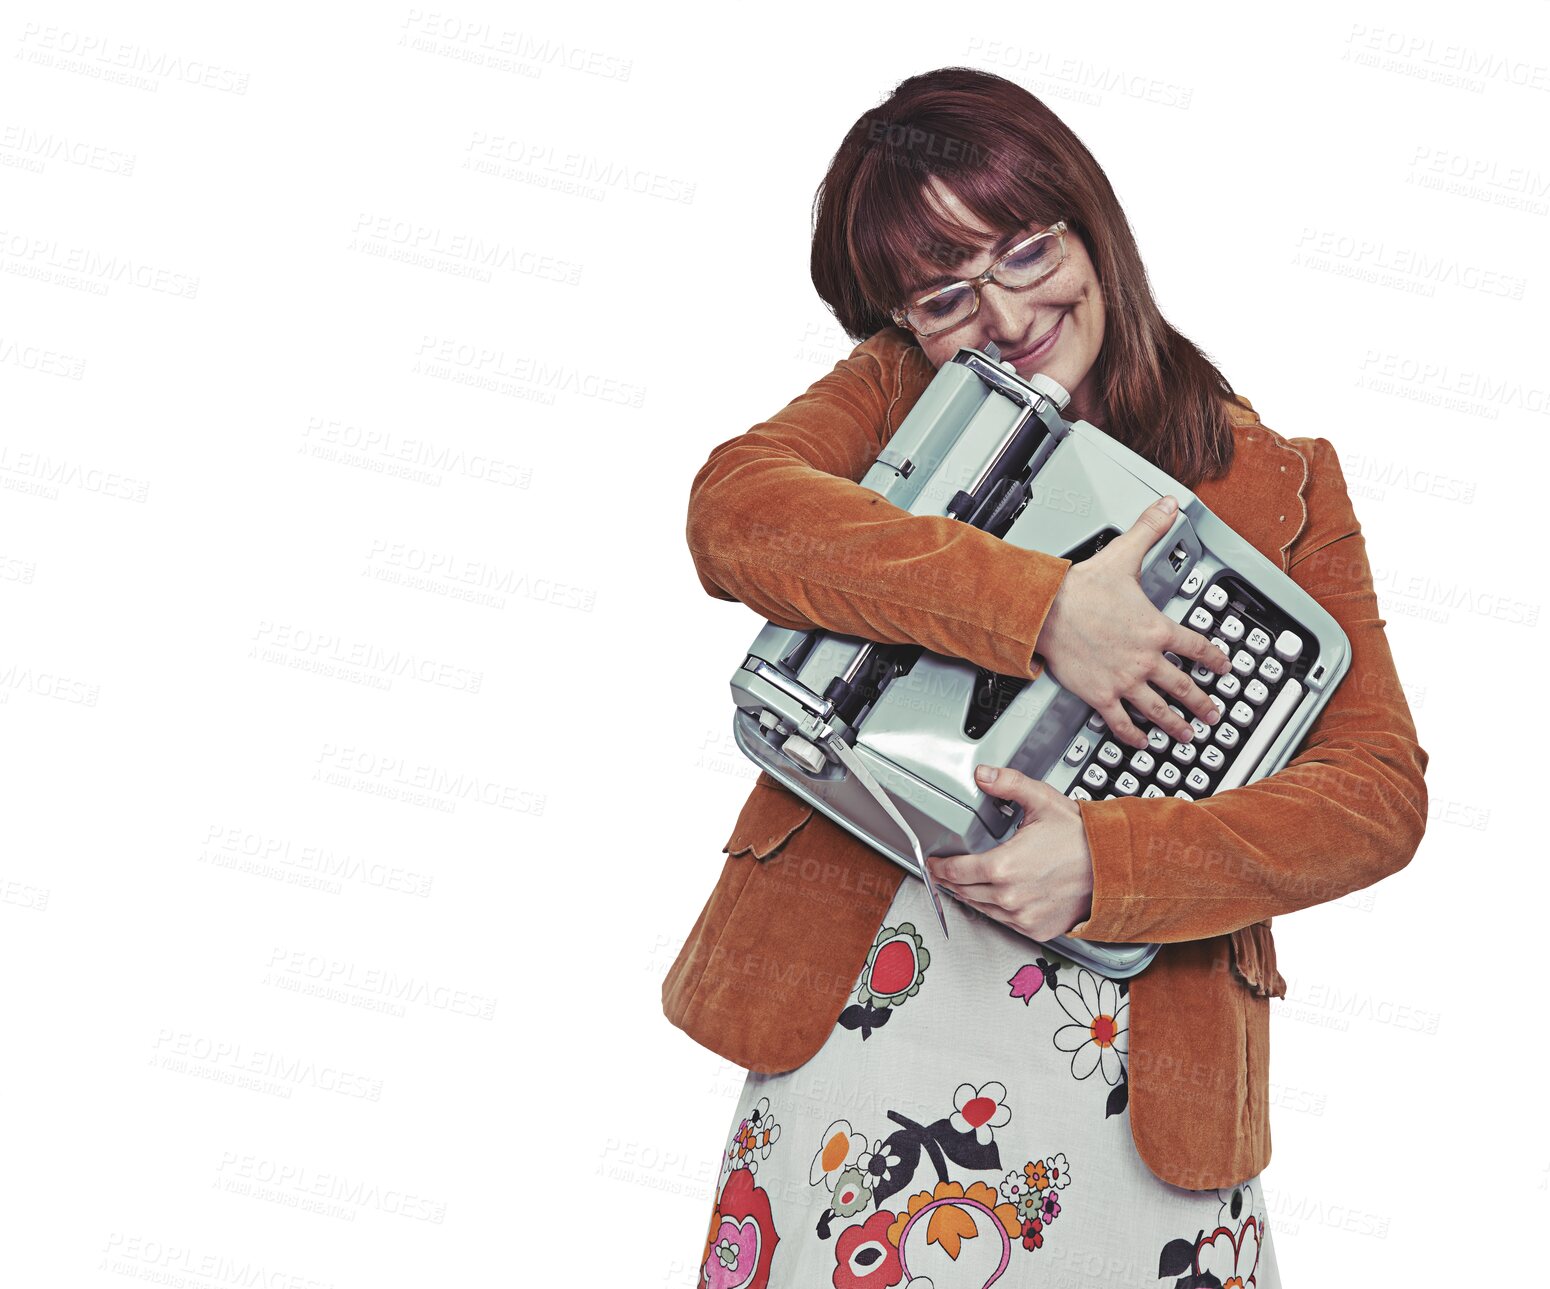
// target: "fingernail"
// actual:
[[985, 773], [1169, 503]]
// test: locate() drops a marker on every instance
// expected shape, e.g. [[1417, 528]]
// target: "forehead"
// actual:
[[965, 244]]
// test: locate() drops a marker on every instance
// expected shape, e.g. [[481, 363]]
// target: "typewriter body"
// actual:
[[884, 738]]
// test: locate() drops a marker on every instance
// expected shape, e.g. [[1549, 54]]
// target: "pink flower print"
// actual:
[[1027, 982], [743, 1239]]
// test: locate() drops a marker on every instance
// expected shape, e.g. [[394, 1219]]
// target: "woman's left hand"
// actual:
[[1039, 881]]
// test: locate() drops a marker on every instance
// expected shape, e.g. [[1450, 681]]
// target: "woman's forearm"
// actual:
[[1348, 810], [778, 520]]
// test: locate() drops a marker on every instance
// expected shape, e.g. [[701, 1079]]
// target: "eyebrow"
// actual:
[[1005, 244]]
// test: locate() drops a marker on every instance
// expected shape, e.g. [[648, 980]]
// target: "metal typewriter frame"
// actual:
[[819, 754]]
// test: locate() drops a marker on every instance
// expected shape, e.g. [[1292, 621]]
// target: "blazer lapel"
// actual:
[[1264, 499]]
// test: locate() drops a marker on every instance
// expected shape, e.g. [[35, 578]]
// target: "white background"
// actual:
[[365, 730]]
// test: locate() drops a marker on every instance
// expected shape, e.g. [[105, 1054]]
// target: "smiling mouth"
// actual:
[[1038, 345]]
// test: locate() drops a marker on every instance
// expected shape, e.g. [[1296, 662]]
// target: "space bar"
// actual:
[[1244, 763]]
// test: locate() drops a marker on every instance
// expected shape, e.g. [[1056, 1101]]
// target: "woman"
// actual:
[[927, 1113]]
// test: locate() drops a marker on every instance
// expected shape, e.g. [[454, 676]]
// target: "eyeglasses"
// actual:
[[1027, 264]]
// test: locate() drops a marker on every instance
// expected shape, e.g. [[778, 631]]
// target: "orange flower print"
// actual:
[[953, 1214], [1037, 1174]]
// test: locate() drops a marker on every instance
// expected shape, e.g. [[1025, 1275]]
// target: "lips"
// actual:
[[1040, 346]]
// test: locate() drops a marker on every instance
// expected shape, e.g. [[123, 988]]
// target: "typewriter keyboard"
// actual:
[[1257, 696]]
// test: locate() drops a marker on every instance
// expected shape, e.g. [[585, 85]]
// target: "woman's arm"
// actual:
[[1347, 810], [778, 520]]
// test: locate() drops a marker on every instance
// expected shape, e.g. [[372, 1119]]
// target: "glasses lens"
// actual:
[[1032, 263], [941, 311]]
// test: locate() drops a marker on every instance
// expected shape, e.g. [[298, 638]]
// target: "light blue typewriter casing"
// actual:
[[977, 417]]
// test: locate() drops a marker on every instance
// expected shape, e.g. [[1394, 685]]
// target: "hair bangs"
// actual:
[[900, 235]]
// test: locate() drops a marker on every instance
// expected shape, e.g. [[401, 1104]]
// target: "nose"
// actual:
[[1006, 314]]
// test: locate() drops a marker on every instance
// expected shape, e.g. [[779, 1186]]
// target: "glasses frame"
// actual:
[[977, 283]]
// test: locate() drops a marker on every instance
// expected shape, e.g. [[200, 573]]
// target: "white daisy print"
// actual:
[[1098, 1037]]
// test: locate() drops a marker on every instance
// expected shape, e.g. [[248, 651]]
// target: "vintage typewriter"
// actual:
[[884, 738]]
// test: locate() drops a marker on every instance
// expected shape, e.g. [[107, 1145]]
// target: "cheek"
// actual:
[[1092, 315]]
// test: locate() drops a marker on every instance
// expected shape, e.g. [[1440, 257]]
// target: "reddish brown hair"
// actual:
[[1010, 160]]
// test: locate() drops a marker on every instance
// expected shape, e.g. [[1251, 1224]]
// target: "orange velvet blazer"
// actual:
[[778, 520]]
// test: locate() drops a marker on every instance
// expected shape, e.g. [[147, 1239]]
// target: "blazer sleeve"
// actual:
[[1349, 809], [778, 519]]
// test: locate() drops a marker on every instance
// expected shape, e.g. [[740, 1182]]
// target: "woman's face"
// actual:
[[1070, 299]]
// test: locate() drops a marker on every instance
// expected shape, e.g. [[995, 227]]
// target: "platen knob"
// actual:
[[1051, 389], [805, 753]]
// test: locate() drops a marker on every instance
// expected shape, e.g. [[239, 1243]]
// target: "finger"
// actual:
[[1120, 724], [958, 870], [1191, 644], [1219, 703], [1177, 685], [1007, 784], [1154, 709], [989, 909], [1152, 524], [1039, 799], [988, 890], [1033, 795]]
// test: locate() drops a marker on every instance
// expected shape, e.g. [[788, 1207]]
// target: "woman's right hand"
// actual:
[[1104, 641]]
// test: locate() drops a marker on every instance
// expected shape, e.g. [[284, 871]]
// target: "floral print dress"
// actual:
[[966, 1124]]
